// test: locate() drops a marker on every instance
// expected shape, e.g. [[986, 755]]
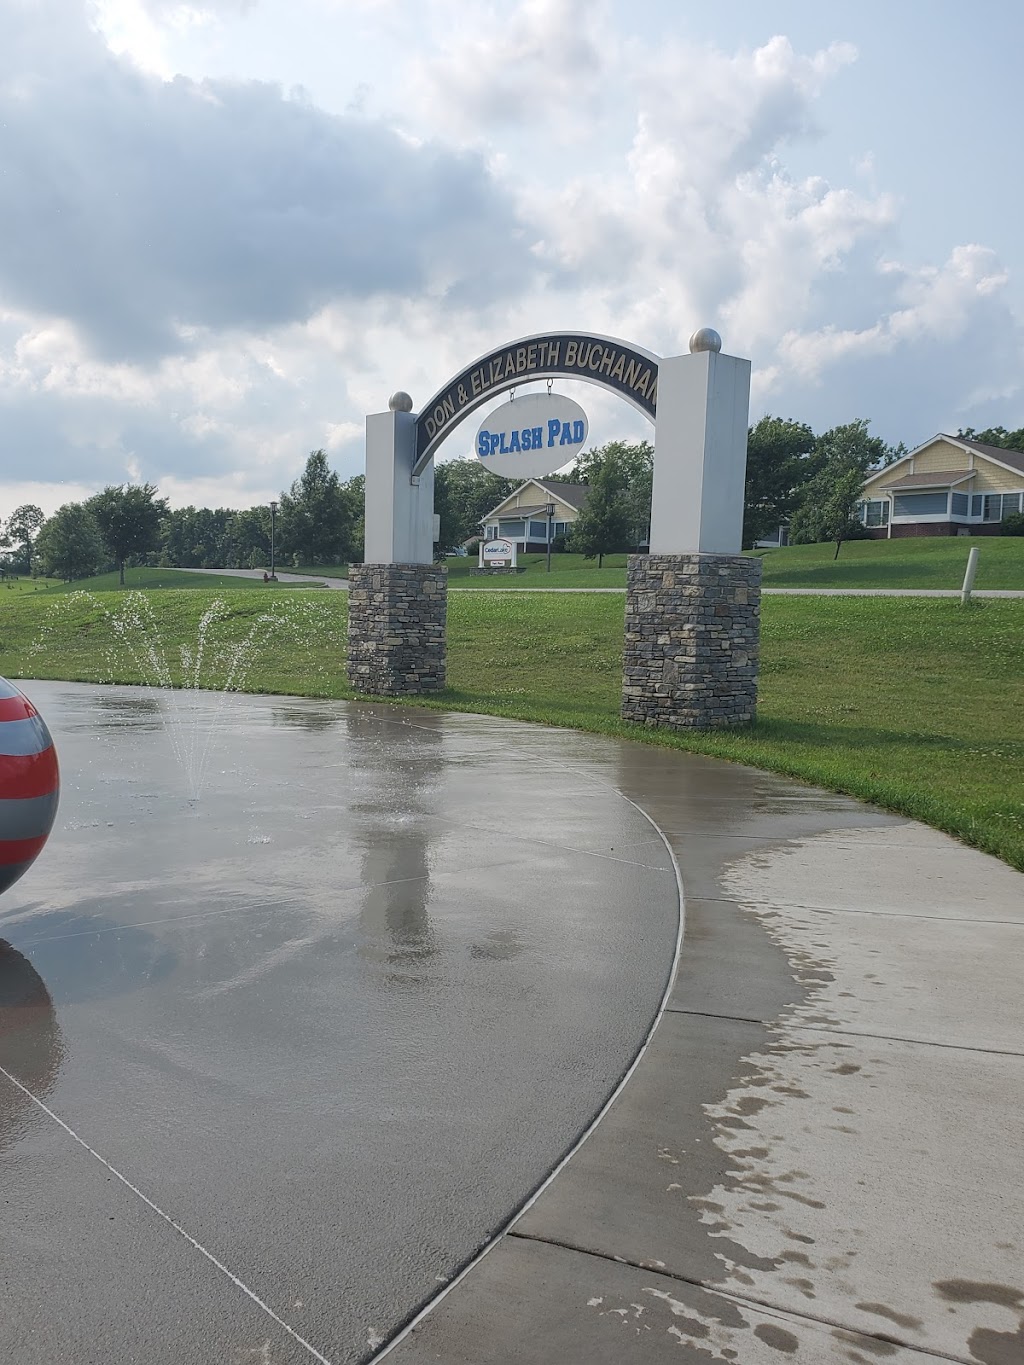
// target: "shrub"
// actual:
[[1013, 525]]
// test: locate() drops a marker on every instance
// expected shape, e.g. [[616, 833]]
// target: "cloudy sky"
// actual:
[[230, 228]]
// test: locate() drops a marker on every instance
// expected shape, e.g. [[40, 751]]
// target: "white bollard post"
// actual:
[[972, 569]]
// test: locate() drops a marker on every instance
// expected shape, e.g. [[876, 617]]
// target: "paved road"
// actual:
[[335, 1019], [342, 583], [793, 592]]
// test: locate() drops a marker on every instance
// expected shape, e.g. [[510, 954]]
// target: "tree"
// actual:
[[828, 501], [22, 527], [248, 539], [778, 465], [316, 517], [69, 544], [129, 518], [603, 524], [464, 492], [995, 436], [197, 538]]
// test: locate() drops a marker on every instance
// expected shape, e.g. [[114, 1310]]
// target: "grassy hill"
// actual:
[[927, 562], [923, 562]]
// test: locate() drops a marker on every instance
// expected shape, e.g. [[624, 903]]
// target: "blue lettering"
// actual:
[[503, 447], [538, 437], [494, 441], [527, 438], [566, 438], [513, 442], [577, 432], [483, 443], [554, 427]]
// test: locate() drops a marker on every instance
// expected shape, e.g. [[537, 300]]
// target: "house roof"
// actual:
[[519, 513], [938, 478], [1014, 458], [1009, 459], [573, 495]]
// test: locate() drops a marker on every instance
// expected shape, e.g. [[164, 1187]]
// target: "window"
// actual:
[[872, 513], [975, 504], [538, 530], [999, 505], [920, 504], [560, 528], [513, 528], [491, 532], [959, 503]]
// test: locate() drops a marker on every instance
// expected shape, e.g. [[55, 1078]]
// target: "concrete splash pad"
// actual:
[[291, 1052]]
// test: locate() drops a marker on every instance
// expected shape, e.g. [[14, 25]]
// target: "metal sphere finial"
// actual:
[[705, 339], [400, 402]]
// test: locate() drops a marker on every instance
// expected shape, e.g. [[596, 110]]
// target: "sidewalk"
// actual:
[[820, 1156]]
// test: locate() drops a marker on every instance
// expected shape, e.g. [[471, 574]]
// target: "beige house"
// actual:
[[523, 516], [947, 487]]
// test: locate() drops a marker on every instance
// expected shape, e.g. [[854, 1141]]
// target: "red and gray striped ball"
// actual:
[[29, 784]]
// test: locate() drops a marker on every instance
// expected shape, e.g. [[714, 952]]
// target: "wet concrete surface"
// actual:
[[819, 1155], [276, 1061]]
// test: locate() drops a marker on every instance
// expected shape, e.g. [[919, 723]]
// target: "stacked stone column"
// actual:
[[396, 628], [692, 640]]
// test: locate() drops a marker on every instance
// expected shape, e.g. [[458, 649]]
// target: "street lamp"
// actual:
[[273, 527], [550, 509]]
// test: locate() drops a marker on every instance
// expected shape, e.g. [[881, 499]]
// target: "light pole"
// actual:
[[273, 527], [550, 509]]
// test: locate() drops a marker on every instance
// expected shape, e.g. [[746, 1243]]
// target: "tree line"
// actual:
[[319, 521], [810, 482]]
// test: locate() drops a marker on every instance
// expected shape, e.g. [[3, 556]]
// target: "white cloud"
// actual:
[[203, 280]]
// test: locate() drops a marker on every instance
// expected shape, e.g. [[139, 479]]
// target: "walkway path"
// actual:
[[819, 1157], [795, 592]]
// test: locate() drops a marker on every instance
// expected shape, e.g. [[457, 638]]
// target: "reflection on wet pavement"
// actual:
[[339, 1015]]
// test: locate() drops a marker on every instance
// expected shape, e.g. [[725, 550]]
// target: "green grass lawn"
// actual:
[[924, 562], [25, 585], [320, 570], [917, 705], [567, 571]]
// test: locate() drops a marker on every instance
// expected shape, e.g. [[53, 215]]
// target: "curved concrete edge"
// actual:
[[428, 1308], [785, 1173]]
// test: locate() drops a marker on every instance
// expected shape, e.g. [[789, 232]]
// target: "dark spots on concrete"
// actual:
[[798, 1237], [792, 1090], [977, 1291], [878, 1346], [842, 1109], [750, 1104], [764, 1207], [881, 1310], [776, 1337], [797, 1258], [845, 1069], [751, 1153], [997, 1348], [733, 1123], [801, 1199], [806, 1287]]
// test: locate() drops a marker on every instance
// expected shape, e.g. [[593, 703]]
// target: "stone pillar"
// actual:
[[396, 621], [692, 640]]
